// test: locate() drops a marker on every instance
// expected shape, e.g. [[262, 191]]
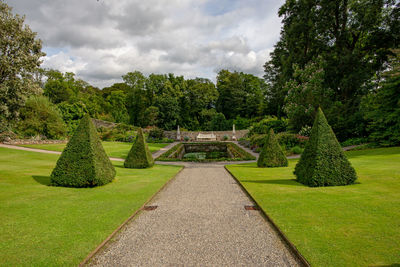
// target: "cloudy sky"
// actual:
[[101, 40]]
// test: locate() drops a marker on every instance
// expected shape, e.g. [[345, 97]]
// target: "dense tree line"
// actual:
[[162, 100], [342, 56]]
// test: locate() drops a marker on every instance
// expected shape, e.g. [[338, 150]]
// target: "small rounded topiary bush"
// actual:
[[139, 157], [271, 154], [83, 163], [323, 162]]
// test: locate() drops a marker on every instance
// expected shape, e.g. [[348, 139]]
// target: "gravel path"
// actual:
[[30, 149], [200, 221]]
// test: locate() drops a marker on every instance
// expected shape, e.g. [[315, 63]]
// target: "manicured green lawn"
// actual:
[[357, 225], [53, 226], [113, 149]]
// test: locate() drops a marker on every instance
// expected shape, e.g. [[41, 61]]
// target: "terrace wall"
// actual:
[[219, 134]]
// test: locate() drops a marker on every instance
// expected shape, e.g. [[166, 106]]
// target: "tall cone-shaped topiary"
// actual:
[[139, 156], [323, 162], [271, 154], [83, 163]]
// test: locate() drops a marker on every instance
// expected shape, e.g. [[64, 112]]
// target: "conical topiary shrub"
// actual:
[[83, 163], [271, 154], [139, 156], [323, 162]]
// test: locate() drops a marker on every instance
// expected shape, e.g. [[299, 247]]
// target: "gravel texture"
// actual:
[[200, 221]]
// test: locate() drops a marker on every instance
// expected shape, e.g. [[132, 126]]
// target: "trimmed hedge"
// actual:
[[139, 157], [239, 153], [271, 154], [323, 162], [83, 163]]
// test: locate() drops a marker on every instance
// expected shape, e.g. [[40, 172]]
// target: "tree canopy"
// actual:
[[350, 40], [20, 53], [338, 55]]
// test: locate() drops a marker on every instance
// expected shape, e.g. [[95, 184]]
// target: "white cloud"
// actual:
[[63, 62], [102, 40]]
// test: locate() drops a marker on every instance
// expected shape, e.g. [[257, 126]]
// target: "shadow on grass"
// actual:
[[292, 182], [44, 180]]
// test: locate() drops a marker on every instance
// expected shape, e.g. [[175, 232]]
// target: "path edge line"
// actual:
[[283, 237], [102, 244]]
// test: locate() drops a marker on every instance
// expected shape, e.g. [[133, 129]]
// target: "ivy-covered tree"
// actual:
[[20, 53]]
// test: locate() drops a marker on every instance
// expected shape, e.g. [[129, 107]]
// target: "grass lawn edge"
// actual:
[[281, 234], [130, 218]]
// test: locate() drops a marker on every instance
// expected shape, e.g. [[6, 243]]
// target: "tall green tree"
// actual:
[[219, 123], [59, 87], [200, 94], [169, 111], [383, 106], [106, 91], [117, 101], [240, 94], [74, 97], [167, 101], [151, 114], [305, 93], [353, 38], [137, 101], [20, 53]]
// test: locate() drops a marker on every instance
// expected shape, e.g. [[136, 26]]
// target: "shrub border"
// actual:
[[119, 228], [245, 155], [280, 233]]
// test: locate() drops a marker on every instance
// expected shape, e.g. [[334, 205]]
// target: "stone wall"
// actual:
[[219, 134]]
